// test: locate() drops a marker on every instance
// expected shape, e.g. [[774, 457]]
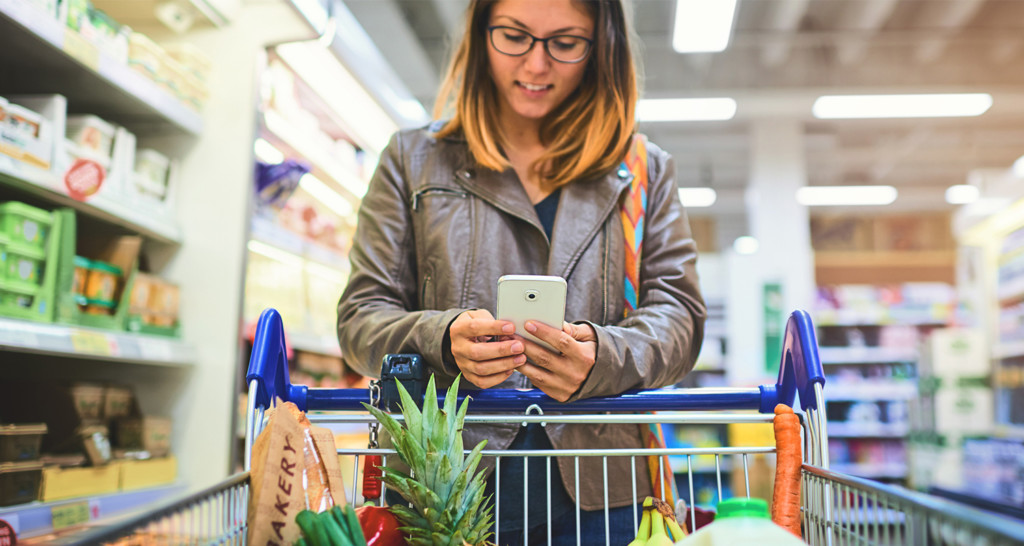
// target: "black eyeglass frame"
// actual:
[[534, 40]]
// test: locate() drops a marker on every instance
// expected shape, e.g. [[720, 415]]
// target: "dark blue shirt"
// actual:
[[546, 210]]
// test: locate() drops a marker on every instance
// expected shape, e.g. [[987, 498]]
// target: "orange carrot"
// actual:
[[789, 458]]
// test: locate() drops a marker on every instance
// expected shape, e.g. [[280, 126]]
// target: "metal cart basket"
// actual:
[[836, 508]]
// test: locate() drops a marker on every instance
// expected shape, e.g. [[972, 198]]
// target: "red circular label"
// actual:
[[84, 178], [7, 536]]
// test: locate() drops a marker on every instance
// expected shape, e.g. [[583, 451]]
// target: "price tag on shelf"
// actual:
[[81, 49], [156, 350], [91, 342], [67, 515]]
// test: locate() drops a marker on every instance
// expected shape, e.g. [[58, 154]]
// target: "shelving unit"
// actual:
[[103, 86], [870, 337], [93, 344], [49, 187], [39, 518], [201, 248]]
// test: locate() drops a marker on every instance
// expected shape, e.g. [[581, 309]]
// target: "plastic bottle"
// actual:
[[742, 521]]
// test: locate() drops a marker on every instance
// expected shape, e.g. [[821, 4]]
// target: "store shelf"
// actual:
[[36, 518], [1005, 351], [1011, 292], [93, 344], [294, 142], [871, 391], [49, 186], [840, 429], [269, 233], [311, 343], [823, 319], [872, 470], [833, 268], [33, 42], [865, 355]]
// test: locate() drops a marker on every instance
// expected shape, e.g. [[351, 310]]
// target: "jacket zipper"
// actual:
[[439, 190]]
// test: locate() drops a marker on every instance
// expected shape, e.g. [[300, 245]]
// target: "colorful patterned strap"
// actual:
[[633, 208]]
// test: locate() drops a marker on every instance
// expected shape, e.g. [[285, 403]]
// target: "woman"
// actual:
[[525, 178]]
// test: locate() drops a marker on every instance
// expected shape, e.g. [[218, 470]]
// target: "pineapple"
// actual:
[[446, 493]]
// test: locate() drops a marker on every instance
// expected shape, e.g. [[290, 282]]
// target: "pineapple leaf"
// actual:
[[390, 424], [411, 412], [450, 404], [429, 411], [412, 454]]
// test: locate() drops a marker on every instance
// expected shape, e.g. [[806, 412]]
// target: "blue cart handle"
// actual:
[[800, 369]]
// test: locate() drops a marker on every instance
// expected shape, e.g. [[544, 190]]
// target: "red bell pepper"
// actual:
[[379, 526]]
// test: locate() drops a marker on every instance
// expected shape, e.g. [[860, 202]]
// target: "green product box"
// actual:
[[23, 224], [24, 263], [29, 269]]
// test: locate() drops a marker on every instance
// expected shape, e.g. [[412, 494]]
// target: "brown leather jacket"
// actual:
[[435, 233]]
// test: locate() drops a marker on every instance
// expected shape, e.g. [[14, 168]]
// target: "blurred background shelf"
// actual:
[[79, 342], [54, 55], [37, 518]]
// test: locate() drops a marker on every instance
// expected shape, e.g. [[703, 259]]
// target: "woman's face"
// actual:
[[530, 86]]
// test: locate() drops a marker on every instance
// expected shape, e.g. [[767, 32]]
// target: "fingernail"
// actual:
[[509, 328], [519, 359], [530, 327], [517, 347]]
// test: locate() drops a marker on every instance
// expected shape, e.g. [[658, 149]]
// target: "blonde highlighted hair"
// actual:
[[586, 136]]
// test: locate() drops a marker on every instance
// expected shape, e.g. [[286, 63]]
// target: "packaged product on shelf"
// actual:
[[101, 288], [99, 29], [151, 169], [24, 224], [25, 135], [144, 55], [149, 433], [21, 442], [154, 301], [197, 63], [91, 134], [19, 482], [117, 402]]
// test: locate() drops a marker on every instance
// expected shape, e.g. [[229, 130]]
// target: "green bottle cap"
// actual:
[[743, 507]]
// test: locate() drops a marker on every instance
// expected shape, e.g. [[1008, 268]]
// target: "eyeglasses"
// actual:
[[564, 48]]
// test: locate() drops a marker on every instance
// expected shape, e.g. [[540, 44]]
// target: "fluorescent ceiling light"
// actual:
[[266, 152], [715, 109], [962, 194], [935, 105], [746, 245], [323, 193], [275, 253], [368, 122], [697, 197], [703, 25], [824, 196]]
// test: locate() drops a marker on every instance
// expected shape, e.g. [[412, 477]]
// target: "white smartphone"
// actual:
[[532, 297]]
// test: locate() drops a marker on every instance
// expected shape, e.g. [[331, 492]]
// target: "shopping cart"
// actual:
[[836, 508]]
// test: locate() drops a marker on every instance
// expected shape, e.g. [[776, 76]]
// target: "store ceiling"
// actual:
[[782, 55]]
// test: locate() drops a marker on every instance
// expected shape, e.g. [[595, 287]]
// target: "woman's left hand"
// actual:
[[560, 375]]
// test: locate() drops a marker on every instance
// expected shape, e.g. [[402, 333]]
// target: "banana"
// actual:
[[677, 532], [658, 536], [644, 532]]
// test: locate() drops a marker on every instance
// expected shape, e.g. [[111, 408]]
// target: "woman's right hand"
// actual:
[[484, 348]]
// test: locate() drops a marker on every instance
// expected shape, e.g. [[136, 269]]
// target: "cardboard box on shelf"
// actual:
[[152, 434], [913, 232], [841, 233], [952, 353], [148, 473], [67, 409], [117, 402], [68, 483], [29, 126]]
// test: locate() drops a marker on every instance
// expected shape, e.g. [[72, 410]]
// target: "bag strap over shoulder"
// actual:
[[634, 207]]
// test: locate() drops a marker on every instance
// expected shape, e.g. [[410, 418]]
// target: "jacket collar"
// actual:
[[583, 208]]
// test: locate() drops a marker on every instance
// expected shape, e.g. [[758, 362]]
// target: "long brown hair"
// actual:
[[587, 135]]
